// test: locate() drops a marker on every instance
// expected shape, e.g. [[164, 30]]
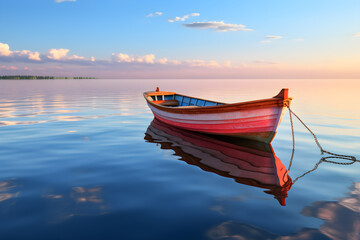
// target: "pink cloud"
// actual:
[[61, 55], [58, 62], [202, 63], [8, 67], [163, 61]]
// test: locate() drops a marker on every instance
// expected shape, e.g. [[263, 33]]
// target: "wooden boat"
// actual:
[[256, 120], [247, 162]]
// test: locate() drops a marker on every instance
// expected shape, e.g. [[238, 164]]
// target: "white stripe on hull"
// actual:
[[220, 116], [243, 118]]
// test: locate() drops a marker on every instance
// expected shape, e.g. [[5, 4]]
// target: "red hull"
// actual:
[[256, 120]]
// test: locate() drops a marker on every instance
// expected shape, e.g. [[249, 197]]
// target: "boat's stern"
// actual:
[[161, 98]]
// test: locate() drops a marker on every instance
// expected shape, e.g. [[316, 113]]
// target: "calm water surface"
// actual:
[[80, 160]]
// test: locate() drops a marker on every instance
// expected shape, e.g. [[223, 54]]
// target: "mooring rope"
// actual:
[[352, 159], [324, 159]]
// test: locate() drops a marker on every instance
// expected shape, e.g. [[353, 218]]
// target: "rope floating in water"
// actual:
[[352, 159]]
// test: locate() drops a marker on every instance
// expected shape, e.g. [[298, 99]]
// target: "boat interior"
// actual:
[[172, 99]]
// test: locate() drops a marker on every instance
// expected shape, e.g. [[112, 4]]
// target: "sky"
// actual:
[[181, 39]]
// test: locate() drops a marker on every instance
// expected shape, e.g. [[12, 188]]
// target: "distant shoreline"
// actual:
[[23, 77]]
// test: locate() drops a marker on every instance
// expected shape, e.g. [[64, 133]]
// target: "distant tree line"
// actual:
[[41, 77]]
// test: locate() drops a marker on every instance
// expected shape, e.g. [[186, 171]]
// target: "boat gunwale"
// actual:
[[175, 93], [225, 107]]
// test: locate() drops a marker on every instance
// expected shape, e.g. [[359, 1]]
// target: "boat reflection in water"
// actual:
[[247, 162]]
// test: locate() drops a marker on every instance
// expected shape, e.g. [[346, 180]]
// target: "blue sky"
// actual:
[[289, 35]]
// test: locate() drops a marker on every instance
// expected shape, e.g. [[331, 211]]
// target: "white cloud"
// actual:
[[265, 62], [299, 40], [175, 62], [265, 41], [122, 57], [60, 1], [57, 54], [218, 26], [151, 59], [227, 64], [357, 35], [6, 52], [273, 37], [163, 61], [34, 56], [5, 49], [154, 14], [203, 63], [147, 58], [6, 55], [76, 57], [62, 56], [30, 55], [183, 18]]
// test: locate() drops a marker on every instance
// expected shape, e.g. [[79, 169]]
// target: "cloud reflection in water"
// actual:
[[80, 201], [341, 222], [8, 191]]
